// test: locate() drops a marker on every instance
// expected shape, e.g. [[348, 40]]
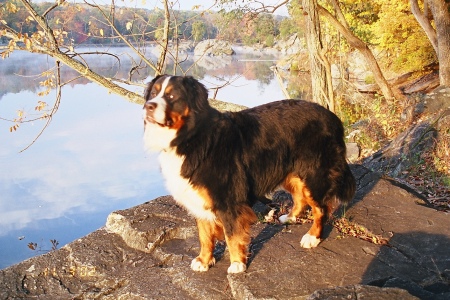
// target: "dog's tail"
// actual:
[[347, 188]]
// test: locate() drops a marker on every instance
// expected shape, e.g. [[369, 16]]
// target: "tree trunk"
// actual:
[[320, 89], [424, 23], [362, 47], [441, 15], [165, 41]]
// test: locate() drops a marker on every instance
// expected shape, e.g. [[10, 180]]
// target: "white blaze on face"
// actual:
[[157, 137], [161, 105]]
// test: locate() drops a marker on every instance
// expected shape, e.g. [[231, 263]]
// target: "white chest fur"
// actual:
[[157, 138], [182, 191]]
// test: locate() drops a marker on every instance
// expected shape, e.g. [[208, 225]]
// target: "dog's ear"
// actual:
[[149, 87], [198, 91]]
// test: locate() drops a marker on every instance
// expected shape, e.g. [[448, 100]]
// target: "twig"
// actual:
[[55, 106]]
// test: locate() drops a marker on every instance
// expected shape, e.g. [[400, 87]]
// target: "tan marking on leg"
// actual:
[[295, 185], [312, 238], [301, 196], [317, 226], [239, 241], [209, 232]]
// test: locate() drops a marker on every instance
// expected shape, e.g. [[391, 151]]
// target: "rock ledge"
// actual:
[[144, 253]]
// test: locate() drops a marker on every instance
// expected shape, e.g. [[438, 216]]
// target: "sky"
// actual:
[[206, 4], [177, 4]]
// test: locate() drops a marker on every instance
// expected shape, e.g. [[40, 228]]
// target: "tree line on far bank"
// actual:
[[84, 23]]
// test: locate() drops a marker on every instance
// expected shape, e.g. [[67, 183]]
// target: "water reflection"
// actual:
[[90, 161]]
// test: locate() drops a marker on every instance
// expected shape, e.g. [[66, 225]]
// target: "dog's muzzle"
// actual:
[[150, 108]]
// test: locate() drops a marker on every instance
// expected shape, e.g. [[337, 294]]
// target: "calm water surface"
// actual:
[[90, 161]]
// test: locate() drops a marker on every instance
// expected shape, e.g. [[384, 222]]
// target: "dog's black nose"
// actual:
[[150, 106]]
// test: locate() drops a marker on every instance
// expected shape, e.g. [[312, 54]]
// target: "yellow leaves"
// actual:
[[129, 25], [27, 44], [11, 8], [41, 105], [59, 33], [44, 93], [41, 109], [19, 119], [5, 54], [348, 228], [101, 32], [12, 45], [13, 128], [49, 83]]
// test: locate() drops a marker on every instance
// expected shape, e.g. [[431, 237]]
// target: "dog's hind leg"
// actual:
[[312, 238], [302, 198], [297, 188], [209, 232]]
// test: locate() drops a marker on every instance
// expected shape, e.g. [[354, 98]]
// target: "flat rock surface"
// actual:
[[144, 253]]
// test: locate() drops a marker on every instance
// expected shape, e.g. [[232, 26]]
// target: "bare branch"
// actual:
[[54, 109], [339, 14], [270, 8], [362, 47], [58, 3], [139, 53], [165, 41], [42, 23]]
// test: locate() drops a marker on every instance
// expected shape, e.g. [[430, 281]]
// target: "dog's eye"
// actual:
[[171, 97]]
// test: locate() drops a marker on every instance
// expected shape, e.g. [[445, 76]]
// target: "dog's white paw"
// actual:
[[198, 266], [309, 241], [286, 219], [236, 267]]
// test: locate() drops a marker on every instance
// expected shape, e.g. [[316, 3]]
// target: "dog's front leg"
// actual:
[[237, 236], [209, 232], [238, 248]]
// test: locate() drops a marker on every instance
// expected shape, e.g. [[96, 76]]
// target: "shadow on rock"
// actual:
[[417, 262], [365, 182]]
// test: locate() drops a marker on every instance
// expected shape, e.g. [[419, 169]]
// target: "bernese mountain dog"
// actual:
[[217, 165]]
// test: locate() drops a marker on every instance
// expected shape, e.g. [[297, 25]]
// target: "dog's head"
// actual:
[[171, 104]]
